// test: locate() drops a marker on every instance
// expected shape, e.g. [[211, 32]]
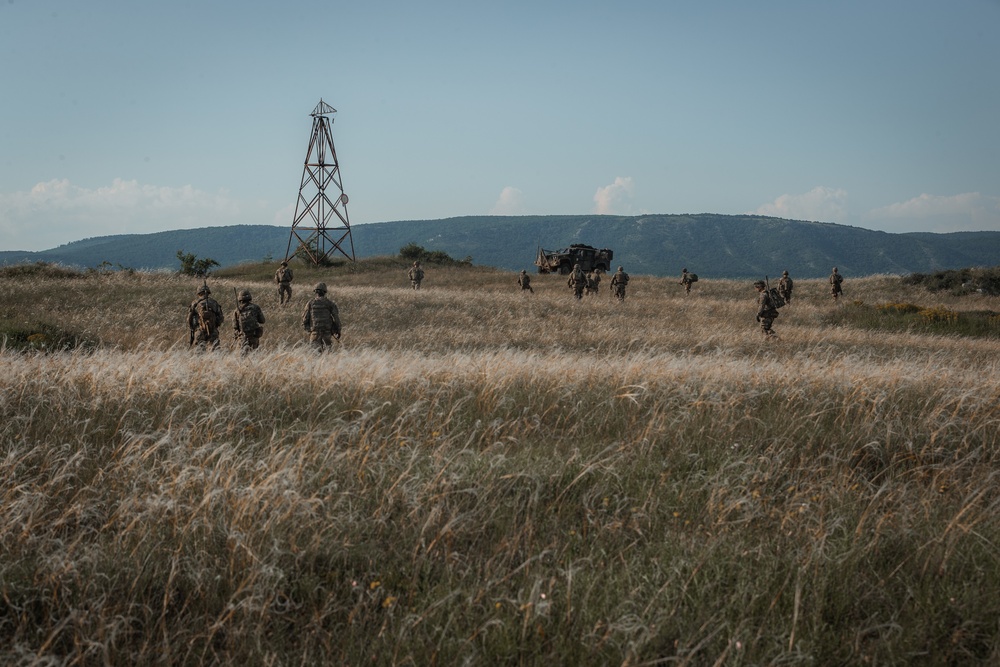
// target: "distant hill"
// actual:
[[720, 246]]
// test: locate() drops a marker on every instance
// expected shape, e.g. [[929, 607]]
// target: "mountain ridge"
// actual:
[[712, 245]]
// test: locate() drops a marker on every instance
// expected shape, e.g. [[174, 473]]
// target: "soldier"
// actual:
[[415, 274], [204, 319], [835, 280], [618, 282], [686, 280], [524, 280], [321, 319], [247, 321], [577, 281], [283, 276], [766, 312], [594, 281], [785, 287]]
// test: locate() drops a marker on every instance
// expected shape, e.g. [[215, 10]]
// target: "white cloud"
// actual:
[[612, 199], [57, 212], [821, 204], [511, 202], [969, 211], [284, 216]]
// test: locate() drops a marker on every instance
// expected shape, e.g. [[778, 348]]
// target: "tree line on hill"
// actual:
[[714, 246]]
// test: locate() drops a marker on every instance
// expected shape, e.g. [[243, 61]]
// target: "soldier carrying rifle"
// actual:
[[247, 321], [204, 319]]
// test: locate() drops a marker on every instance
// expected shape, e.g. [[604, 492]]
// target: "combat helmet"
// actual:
[[620, 268], [245, 296], [759, 283], [204, 289], [320, 288]]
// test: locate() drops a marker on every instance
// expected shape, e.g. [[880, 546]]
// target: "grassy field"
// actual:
[[481, 476]]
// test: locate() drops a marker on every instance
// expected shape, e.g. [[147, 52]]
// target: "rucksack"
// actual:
[[776, 299], [248, 321], [206, 317], [693, 277]]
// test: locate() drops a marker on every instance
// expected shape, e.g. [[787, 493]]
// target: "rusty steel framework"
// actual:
[[321, 226]]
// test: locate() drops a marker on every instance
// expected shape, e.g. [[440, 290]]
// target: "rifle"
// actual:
[[771, 297], [236, 317]]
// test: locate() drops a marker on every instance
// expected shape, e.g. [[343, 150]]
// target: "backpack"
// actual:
[[776, 299], [248, 321], [206, 317], [692, 277]]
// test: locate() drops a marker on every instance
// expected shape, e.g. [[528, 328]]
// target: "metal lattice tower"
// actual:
[[321, 226]]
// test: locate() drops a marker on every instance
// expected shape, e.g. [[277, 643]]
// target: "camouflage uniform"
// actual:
[[766, 312], [204, 319], [321, 319], [415, 274], [686, 280], [835, 279], [618, 282], [577, 281], [594, 281], [785, 287], [524, 280], [283, 276], [247, 321]]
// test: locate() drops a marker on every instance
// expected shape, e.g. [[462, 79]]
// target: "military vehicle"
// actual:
[[562, 261]]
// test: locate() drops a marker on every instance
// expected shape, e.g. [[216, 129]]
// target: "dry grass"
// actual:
[[480, 476]]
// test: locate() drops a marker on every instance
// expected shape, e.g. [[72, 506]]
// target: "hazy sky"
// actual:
[[133, 116]]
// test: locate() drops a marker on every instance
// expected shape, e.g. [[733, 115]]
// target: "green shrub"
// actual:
[[958, 281], [911, 317], [413, 252], [192, 266], [41, 337], [39, 270]]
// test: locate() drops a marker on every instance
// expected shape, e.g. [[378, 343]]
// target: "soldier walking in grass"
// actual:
[[619, 280], [248, 319], [204, 319], [835, 281], [415, 274], [766, 310], [785, 287], [686, 279], [283, 277], [321, 319], [594, 281], [524, 280], [577, 281]]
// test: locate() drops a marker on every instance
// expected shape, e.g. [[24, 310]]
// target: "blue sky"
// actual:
[[129, 116]]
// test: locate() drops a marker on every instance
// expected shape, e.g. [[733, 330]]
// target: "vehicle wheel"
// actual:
[[565, 269]]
